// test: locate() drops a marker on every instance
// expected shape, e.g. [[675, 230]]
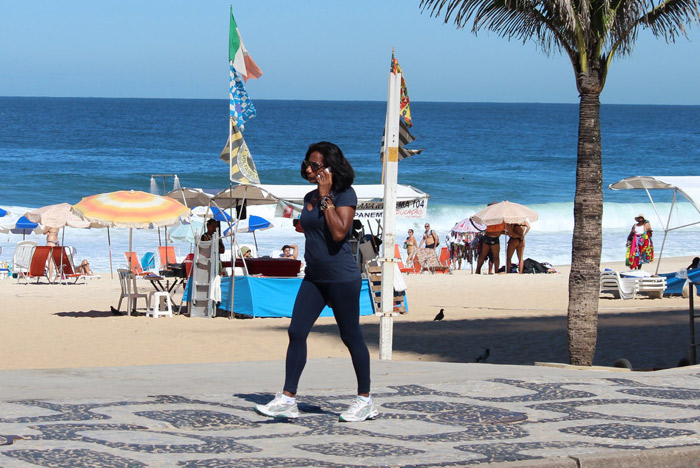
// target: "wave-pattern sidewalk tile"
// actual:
[[474, 423]]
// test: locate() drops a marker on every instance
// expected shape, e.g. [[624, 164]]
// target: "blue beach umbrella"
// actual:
[[24, 226], [252, 224], [3, 212], [220, 215]]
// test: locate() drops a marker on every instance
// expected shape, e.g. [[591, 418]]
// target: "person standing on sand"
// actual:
[[51, 234], [410, 246], [516, 243], [332, 278], [430, 238], [491, 246], [640, 248]]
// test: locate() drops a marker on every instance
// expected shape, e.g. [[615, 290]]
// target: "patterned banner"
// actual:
[[405, 138], [240, 105], [242, 167], [405, 102]]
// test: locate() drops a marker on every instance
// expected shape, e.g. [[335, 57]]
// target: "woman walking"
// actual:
[[332, 278], [640, 248]]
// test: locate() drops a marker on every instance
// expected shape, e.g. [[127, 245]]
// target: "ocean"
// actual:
[[56, 150]]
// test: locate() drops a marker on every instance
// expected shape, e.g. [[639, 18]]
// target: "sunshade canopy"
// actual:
[[688, 186], [57, 216], [251, 224], [410, 202], [131, 209], [468, 225], [192, 197], [22, 226], [505, 212]]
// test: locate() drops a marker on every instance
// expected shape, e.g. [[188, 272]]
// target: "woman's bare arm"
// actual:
[[339, 219]]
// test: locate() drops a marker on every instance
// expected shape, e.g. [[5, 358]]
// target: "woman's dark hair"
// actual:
[[343, 174]]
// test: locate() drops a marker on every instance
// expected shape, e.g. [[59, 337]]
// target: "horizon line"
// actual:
[[344, 100]]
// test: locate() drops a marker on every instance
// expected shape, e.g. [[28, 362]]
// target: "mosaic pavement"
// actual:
[[470, 423]]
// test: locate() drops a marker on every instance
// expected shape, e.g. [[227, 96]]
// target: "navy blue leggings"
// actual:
[[345, 302]]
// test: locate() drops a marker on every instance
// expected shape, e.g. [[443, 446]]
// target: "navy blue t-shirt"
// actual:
[[327, 261]]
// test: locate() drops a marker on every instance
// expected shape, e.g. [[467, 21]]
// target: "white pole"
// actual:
[[390, 171], [129, 282]]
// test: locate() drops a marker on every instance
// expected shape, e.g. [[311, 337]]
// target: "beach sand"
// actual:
[[521, 319]]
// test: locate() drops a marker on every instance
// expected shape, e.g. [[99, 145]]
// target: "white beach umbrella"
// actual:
[[505, 212]]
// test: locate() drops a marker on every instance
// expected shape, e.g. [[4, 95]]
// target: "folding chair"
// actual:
[[166, 255], [64, 266], [37, 265], [134, 264]]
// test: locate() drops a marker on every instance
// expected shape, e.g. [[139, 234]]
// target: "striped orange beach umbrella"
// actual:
[[131, 209]]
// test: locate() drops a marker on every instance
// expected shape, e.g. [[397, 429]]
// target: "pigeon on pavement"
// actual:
[[483, 356]]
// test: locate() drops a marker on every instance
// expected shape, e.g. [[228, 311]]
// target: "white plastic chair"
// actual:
[[621, 288], [127, 281], [22, 257]]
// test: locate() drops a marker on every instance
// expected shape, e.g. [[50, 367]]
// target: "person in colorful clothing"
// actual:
[[640, 248]]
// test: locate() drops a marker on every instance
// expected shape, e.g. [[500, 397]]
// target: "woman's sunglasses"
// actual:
[[313, 165]]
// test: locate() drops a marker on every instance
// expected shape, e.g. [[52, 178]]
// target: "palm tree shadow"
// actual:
[[647, 339]]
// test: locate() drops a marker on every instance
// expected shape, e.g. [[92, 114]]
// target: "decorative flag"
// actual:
[[405, 111], [240, 105], [242, 166], [238, 55], [405, 138]]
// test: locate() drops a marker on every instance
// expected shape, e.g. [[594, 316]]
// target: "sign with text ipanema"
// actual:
[[411, 209], [410, 202]]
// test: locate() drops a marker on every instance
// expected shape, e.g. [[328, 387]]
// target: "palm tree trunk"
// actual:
[[584, 279]]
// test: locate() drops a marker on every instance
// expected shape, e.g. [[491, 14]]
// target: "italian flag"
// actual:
[[238, 55]]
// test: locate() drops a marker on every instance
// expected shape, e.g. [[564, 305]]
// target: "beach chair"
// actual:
[[619, 287], [166, 255], [64, 266], [445, 258], [416, 265], [652, 286], [37, 265], [375, 283], [22, 257], [127, 282], [429, 261], [402, 267], [148, 261], [134, 264]]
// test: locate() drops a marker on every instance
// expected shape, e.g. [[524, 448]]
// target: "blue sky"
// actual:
[[313, 49]]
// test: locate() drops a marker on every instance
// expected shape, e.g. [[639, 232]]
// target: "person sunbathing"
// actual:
[[84, 268]]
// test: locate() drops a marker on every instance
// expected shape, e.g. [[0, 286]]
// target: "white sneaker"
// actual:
[[278, 408], [359, 411]]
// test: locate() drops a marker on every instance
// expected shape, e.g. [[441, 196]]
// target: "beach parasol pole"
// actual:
[[109, 246], [390, 172]]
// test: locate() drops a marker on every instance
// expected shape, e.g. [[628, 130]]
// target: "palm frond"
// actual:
[[669, 18]]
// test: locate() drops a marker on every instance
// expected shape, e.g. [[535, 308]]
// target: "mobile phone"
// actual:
[[328, 169]]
